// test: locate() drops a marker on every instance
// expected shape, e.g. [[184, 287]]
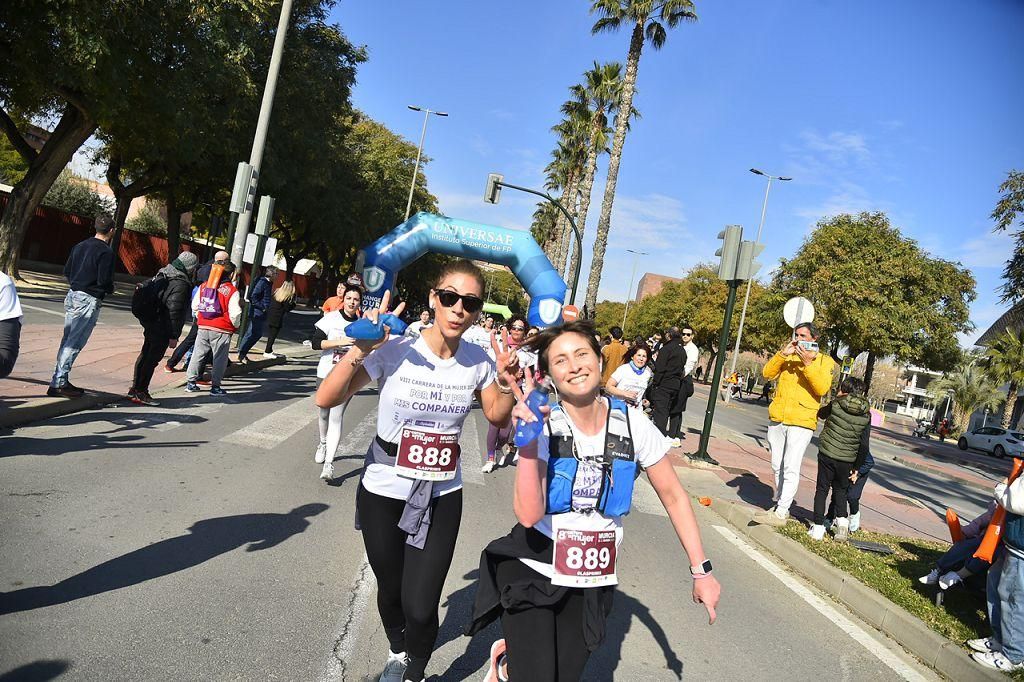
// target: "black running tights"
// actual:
[[409, 580], [544, 643]]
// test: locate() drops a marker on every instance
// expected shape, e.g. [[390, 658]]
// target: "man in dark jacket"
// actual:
[[90, 274], [668, 375], [259, 299], [162, 326]]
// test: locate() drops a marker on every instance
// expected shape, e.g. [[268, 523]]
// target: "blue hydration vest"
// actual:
[[618, 462]]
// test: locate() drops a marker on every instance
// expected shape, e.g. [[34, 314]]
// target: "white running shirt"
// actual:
[[626, 379], [421, 390], [648, 444], [332, 324]]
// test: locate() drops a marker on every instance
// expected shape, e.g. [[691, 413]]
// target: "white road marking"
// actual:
[[472, 457], [346, 633], [879, 650], [275, 428]]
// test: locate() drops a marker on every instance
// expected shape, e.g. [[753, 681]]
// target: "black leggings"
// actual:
[[155, 339], [271, 337], [409, 580], [545, 643]]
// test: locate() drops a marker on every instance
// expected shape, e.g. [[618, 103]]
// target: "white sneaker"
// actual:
[[307, 343], [841, 529], [997, 660], [854, 522], [771, 517], [394, 669], [985, 645], [931, 579], [675, 442], [270, 356], [321, 453], [488, 466], [947, 581], [817, 532], [327, 473]]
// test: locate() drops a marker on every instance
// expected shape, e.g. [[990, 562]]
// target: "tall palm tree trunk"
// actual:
[[1011, 400], [636, 44], [587, 183], [565, 229]]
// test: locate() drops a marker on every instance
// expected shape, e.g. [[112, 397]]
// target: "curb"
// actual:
[[47, 408], [943, 655], [934, 470], [921, 450]]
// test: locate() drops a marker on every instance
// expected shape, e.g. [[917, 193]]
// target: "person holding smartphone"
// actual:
[[803, 376]]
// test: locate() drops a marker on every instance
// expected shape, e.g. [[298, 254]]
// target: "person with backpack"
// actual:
[[161, 304], [184, 347], [259, 298], [218, 313]]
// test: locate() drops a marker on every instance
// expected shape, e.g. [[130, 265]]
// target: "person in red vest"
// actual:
[[218, 312]]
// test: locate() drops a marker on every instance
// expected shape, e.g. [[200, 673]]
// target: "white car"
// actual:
[[995, 440]]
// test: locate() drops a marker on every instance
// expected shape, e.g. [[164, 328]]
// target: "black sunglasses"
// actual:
[[470, 303]]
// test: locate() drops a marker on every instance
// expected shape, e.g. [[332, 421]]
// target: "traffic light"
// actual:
[[729, 252], [493, 190], [746, 266]]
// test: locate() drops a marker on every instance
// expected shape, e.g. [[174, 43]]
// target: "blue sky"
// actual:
[[912, 108]]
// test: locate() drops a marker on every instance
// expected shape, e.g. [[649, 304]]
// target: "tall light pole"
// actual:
[[419, 152], [260, 140], [629, 292], [746, 298]]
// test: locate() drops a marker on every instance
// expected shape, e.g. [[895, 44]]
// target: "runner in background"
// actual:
[[417, 327], [409, 501], [498, 439], [329, 338], [552, 579], [629, 382]]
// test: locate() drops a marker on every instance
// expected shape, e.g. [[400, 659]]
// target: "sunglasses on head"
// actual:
[[470, 303]]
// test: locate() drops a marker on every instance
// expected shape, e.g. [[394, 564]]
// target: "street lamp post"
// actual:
[[419, 152], [629, 292], [757, 239]]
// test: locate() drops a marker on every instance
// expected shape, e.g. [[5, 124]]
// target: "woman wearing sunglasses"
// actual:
[[409, 501], [498, 437], [552, 579]]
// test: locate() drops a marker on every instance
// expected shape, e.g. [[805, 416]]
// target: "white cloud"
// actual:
[[653, 221], [991, 250], [837, 145]]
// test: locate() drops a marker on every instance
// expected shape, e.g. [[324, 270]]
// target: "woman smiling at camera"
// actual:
[[409, 501], [551, 580]]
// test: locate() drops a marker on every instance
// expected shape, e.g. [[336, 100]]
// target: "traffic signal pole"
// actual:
[[716, 380]]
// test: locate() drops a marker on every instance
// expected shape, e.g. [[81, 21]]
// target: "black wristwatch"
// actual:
[[703, 569]]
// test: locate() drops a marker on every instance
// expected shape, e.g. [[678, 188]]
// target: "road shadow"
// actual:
[[625, 610], [36, 671], [50, 447], [204, 540], [459, 605], [752, 490]]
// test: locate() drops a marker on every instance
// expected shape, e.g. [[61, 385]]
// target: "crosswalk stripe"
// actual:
[[275, 428]]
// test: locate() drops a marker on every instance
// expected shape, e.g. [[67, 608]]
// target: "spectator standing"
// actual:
[[10, 325], [842, 449], [162, 305], [281, 303], [335, 302], [218, 313], [675, 413], [183, 347], [259, 297], [417, 327], [90, 274], [802, 377], [667, 382], [612, 354]]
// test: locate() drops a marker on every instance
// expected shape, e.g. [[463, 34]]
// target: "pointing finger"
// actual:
[[711, 614]]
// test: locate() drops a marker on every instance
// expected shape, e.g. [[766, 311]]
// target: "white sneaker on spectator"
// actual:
[[841, 529], [321, 453], [947, 581], [817, 532], [771, 517], [854, 522], [675, 442], [997, 660], [931, 579], [488, 466], [985, 644]]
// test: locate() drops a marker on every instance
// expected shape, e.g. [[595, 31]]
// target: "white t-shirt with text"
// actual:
[[422, 391], [332, 324], [626, 379]]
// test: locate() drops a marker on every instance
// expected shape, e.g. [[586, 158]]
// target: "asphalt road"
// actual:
[[195, 541]]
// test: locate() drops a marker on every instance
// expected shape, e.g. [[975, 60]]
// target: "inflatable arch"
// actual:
[[426, 232]]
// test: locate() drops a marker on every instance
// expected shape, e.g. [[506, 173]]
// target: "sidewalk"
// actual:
[[745, 476]]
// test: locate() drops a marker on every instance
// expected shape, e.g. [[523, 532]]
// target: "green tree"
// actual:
[[74, 195], [148, 220], [650, 21], [1007, 211], [608, 315], [971, 389], [12, 166], [1004, 360], [876, 291]]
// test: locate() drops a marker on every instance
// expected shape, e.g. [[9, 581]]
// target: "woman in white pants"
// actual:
[[329, 338]]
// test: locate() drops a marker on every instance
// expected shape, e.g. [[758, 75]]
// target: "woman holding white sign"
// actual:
[[551, 580], [409, 502]]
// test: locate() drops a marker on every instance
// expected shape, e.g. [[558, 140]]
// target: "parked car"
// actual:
[[995, 440]]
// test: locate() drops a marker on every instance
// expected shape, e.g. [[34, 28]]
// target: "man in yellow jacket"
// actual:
[[803, 376]]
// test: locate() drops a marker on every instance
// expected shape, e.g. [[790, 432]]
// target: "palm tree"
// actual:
[[649, 19], [1004, 360], [564, 172], [970, 388], [545, 220]]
